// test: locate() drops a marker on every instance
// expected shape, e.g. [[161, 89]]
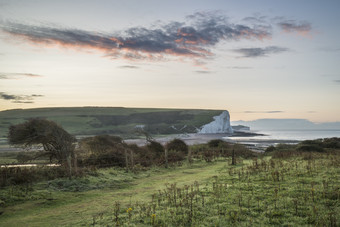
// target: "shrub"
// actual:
[[177, 145], [270, 149], [100, 143], [156, 147], [112, 157], [215, 143], [175, 156], [142, 156], [331, 143], [310, 148], [310, 145], [208, 155]]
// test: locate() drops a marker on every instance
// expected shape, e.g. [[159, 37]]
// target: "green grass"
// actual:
[[300, 190], [75, 203]]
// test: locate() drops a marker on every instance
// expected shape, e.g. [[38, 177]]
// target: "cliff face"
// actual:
[[220, 124]]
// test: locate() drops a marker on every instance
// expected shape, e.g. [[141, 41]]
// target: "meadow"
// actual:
[[286, 186]]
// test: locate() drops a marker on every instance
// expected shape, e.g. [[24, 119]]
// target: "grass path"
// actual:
[[77, 208]]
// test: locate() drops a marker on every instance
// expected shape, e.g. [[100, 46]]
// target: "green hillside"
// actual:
[[113, 120]]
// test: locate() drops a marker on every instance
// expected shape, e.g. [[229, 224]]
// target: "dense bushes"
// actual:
[[103, 151], [28, 175]]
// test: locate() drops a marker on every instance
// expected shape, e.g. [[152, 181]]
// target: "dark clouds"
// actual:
[[240, 67], [193, 38], [17, 75], [128, 67], [270, 111], [337, 81], [19, 98], [203, 72], [260, 52], [292, 26]]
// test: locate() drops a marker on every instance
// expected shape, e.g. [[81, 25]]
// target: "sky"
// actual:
[[254, 58]]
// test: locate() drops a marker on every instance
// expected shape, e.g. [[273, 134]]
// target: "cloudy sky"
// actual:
[[255, 58]]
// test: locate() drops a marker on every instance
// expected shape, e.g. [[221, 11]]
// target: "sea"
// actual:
[[297, 134], [274, 137]]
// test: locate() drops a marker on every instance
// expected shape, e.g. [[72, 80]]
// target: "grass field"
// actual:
[[70, 203], [293, 191]]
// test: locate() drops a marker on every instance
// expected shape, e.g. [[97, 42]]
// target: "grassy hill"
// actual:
[[113, 120]]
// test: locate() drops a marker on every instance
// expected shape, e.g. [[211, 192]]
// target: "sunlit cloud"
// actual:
[[19, 98], [300, 28], [260, 52], [193, 39]]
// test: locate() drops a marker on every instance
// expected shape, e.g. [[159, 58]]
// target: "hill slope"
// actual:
[[113, 120]]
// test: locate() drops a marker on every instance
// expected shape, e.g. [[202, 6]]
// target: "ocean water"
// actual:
[[293, 135]]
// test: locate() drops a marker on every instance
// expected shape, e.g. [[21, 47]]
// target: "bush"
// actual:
[[177, 145], [311, 145], [19, 175], [24, 157], [175, 156], [331, 143], [270, 149], [208, 155], [215, 143], [156, 147], [100, 144], [310, 148], [142, 156], [112, 157]]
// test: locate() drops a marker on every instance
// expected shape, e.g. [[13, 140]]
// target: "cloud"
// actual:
[[270, 111], [300, 28], [260, 52], [203, 72], [19, 98], [128, 67], [17, 75], [337, 81], [193, 38], [329, 49], [240, 67]]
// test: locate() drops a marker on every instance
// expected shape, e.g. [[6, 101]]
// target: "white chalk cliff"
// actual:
[[220, 124]]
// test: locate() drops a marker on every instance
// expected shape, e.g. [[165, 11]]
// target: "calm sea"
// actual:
[[294, 134]]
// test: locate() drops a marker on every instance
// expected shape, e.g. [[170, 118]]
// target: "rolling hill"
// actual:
[[113, 120]]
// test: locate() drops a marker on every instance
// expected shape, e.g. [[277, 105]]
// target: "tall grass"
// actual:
[[278, 192]]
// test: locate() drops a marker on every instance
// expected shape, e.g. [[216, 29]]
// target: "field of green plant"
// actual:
[[111, 120], [294, 188]]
